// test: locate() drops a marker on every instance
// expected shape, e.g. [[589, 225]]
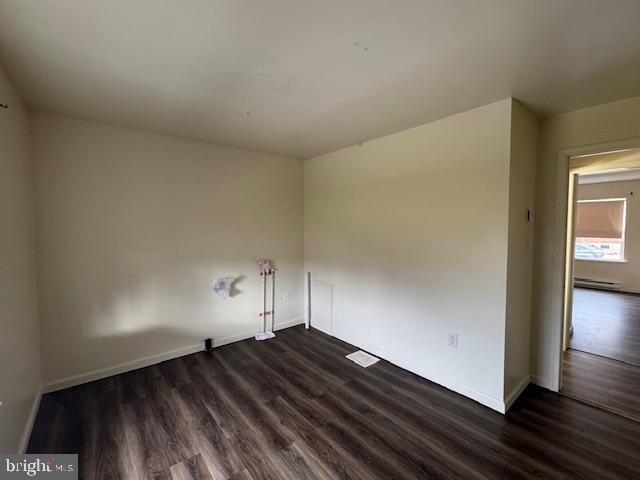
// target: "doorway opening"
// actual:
[[601, 334]]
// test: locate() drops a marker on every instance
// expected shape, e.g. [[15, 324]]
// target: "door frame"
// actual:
[[565, 224], [570, 260]]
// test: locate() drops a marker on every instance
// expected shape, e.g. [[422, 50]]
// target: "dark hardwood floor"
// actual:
[[606, 324], [294, 407], [611, 384]]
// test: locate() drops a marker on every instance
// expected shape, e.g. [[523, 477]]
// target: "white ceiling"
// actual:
[[627, 175], [616, 166], [306, 77]]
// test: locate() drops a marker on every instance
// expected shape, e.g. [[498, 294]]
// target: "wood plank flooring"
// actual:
[[294, 408], [611, 384], [606, 324]]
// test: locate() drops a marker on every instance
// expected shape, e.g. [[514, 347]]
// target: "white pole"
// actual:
[[307, 316], [264, 302], [273, 299]]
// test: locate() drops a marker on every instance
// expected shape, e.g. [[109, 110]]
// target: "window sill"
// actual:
[[599, 260]]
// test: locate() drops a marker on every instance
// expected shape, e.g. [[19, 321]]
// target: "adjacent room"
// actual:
[[601, 362], [354, 239]]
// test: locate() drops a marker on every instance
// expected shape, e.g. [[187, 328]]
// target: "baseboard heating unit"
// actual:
[[599, 284]]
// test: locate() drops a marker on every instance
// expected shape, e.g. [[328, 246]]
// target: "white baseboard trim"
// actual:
[[486, 400], [516, 392], [24, 441], [218, 342], [93, 375]]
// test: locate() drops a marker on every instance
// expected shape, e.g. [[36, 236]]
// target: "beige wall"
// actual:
[[523, 152], [411, 230], [19, 337], [628, 272], [592, 129], [133, 228]]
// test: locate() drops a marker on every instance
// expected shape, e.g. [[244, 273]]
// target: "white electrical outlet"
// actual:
[[285, 296], [452, 340]]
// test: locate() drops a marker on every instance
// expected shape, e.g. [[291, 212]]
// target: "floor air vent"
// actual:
[[362, 358]]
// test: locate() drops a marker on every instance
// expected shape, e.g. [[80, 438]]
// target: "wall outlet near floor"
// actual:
[[452, 340], [286, 297]]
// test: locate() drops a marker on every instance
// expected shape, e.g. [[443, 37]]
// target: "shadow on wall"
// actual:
[[166, 297], [235, 291], [119, 289], [131, 341], [120, 316]]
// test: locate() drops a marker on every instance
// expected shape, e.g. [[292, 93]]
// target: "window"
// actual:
[[600, 229]]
